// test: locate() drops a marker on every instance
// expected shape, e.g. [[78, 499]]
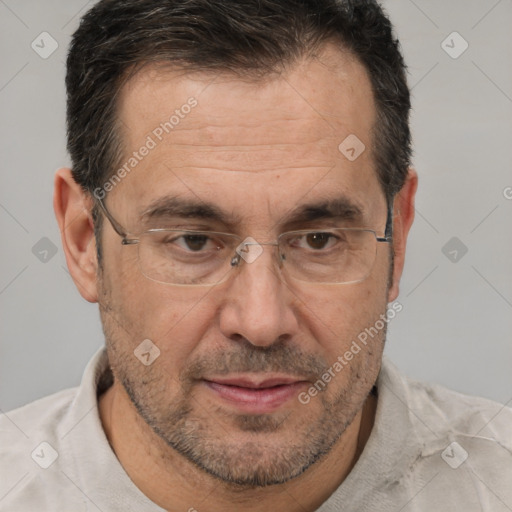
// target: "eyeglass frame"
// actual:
[[235, 261]]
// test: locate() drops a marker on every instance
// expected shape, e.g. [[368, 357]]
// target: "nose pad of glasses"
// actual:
[[235, 260]]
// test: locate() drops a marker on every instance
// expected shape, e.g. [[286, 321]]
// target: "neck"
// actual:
[[172, 482]]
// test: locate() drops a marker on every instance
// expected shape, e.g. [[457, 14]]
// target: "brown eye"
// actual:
[[318, 240], [195, 242]]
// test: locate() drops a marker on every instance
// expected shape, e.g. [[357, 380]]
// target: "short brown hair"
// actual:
[[243, 36]]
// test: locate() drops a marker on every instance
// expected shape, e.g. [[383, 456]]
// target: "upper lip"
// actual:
[[255, 382]]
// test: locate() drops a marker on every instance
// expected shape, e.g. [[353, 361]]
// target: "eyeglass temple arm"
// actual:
[[388, 234], [117, 227]]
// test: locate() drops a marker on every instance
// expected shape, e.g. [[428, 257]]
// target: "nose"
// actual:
[[258, 305]]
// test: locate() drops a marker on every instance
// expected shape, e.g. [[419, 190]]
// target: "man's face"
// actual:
[[257, 152]]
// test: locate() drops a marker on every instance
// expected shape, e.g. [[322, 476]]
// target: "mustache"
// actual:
[[277, 358]]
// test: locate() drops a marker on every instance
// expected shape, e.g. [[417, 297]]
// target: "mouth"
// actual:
[[255, 395]]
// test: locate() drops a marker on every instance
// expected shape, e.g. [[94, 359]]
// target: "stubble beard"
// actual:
[[244, 450], [271, 451]]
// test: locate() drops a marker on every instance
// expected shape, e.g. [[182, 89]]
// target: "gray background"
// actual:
[[456, 323]]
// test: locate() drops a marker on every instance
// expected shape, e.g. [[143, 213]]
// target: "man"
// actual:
[[238, 207]]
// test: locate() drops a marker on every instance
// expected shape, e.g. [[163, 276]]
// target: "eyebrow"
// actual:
[[176, 207], [340, 208]]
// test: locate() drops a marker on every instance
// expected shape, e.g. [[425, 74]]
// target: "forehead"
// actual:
[[222, 130]]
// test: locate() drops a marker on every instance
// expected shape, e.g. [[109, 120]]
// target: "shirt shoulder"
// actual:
[[461, 447], [451, 413], [42, 408], [30, 446], [39, 416], [55, 454]]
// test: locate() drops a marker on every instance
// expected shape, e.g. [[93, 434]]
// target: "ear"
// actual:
[[72, 208], [403, 216]]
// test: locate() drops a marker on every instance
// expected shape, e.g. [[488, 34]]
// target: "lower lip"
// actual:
[[256, 400]]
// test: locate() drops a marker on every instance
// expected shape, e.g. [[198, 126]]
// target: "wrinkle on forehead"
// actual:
[[295, 110], [291, 125]]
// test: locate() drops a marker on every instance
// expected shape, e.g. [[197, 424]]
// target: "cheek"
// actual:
[[336, 316], [347, 330], [174, 319]]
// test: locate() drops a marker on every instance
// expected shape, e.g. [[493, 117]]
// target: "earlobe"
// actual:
[[72, 208], [402, 221]]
